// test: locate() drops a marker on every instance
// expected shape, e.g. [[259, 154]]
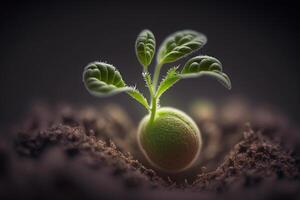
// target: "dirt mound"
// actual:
[[65, 152]]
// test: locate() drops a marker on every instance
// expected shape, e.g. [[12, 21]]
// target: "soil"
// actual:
[[73, 152]]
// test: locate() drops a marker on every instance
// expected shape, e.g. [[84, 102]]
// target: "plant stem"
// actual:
[[147, 79], [153, 109], [154, 85], [156, 75], [153, 95]]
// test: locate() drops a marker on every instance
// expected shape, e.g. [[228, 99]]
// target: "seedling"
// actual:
[[168, 137]]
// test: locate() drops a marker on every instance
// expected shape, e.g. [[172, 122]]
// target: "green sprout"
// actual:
[[169, 138]]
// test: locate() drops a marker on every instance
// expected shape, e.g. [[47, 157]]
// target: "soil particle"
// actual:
[[251, 161], [73, 141]]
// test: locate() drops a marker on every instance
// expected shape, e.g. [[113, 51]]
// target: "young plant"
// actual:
[[168, 137]]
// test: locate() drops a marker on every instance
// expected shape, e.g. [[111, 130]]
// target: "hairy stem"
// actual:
[[154, 85], [153, 108], [156, 75], [148, 81]]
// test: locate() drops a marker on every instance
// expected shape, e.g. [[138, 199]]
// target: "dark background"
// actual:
[[44, 47]]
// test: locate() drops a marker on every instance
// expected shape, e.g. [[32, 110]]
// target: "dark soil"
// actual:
[[64, 152]]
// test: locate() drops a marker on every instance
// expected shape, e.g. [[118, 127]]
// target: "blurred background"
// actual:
[[45, 46]]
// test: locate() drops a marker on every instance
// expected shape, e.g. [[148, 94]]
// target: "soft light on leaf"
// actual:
[[179, 45], [102, 79], [205, 65], [171, 78], [145, 47]]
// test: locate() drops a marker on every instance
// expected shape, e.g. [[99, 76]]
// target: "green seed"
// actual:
[[172, 142]]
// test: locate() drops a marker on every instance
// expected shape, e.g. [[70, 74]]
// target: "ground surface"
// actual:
[[65, 152]]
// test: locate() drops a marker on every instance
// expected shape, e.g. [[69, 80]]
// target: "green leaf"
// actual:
[[205, 65], [179, 45], [134, 93], [102, 79], [170, 79], [145, 47]]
